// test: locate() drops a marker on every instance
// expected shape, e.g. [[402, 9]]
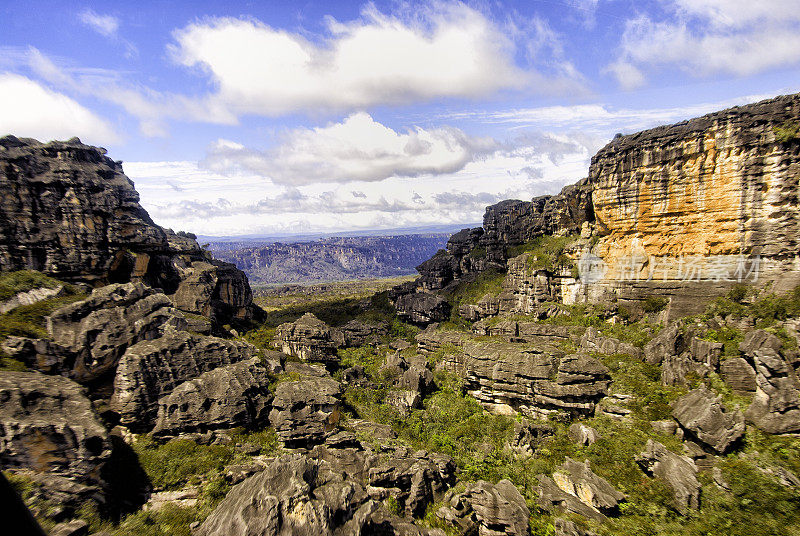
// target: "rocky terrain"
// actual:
[[330, 259], [519, 386]]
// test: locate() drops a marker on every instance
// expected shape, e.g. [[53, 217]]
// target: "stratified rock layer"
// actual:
[[150, 370], [705, 190]]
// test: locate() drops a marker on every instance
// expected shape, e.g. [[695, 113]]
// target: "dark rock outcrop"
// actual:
[[68, 210], [703, 418], [309, 338], [226, 397], [422, 308], [98, 330], [678, 472], [152, 369], [304, 410], [47, 425], [484, 508]]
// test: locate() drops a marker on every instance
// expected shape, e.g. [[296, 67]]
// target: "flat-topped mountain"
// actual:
[[331, 259]]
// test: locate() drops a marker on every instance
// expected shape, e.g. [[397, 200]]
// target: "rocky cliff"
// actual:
[[707, 190], [682, 212], [68, 210]]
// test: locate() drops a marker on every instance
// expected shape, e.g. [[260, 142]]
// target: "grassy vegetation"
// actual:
[[12, 283], [787, 131], [471, 291], [281, 298], [766, 310], [547, 252], [29, 320]]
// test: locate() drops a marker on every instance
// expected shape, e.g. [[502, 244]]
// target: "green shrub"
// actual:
[[179, 461], [12, 283], [787, 131], [169, 520], [477, 252], [29, 320], [654, 304]]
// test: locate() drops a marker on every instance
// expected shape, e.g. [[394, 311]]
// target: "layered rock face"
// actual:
[[536, 379], [694, 196], [68, 210], [681, 211]]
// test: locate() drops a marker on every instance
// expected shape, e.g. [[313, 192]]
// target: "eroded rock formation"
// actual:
[[68, 210]]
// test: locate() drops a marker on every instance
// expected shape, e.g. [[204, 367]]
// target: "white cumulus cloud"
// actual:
[[28, 109], [356, 149], [450, 50], [710, 37]]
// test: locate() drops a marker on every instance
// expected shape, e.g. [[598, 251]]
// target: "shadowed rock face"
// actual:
[[47, 425], [68, 210]]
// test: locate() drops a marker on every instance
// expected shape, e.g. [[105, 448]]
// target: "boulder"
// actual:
[[579, 480], [357, 333], [678, 472], [703, 418], [776, 404], [488, 509], [150, 370], [304, 410], [294, 495], [554, 499], [332, 492], [47, 426], [422, 308], [738, 374], [309, 338], [583, 435], [226, 397], [98, 330], [669, 342]]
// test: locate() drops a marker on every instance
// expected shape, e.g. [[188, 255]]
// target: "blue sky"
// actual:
[[289, 117]]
